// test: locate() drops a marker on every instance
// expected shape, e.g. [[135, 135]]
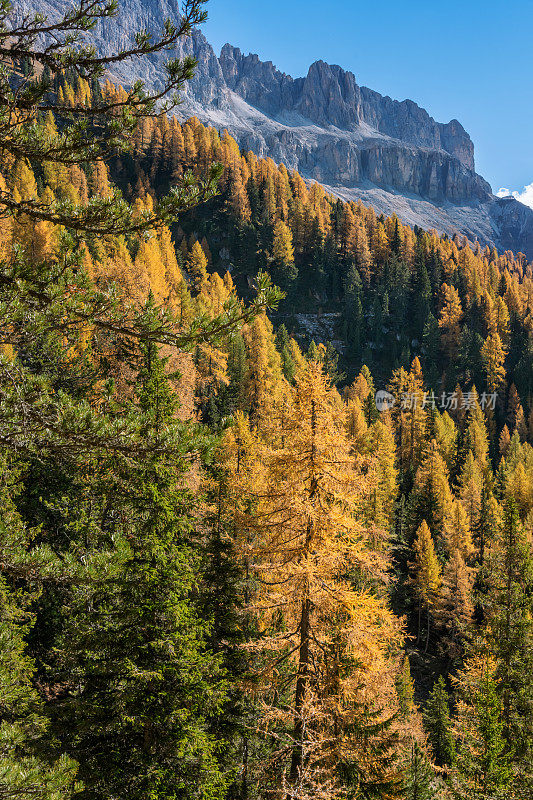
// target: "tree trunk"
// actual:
[[305, 624], [301, 688], [244, 782]]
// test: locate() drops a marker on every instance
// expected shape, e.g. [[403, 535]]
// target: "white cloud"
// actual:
[[525, 196]]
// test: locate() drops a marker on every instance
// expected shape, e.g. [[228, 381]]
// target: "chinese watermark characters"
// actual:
[[446, 401]]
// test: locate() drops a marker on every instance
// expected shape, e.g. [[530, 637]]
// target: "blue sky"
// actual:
[[470, 60]]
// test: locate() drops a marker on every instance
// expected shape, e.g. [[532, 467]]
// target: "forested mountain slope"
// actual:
[[390, 154], [228, 571], [380, 290]]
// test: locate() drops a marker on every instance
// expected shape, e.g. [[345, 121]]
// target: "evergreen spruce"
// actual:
[[421, 783], [438, 725], [136, 717]]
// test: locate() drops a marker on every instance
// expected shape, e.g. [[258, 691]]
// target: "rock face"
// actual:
[[393, 155], [330, 96], [515, 225]]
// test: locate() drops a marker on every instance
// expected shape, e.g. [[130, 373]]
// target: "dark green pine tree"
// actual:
[[377, 333], [330, 364], [312, 351], [435, 267], [223, 596], [421, 297], [431, 349], [282, 337], [353, 312], [421, 782], [508, 606], [26, 768], [369, 406], [438, 725], [140, 685], [469, 368], [237, 368], [405, 688], [282, 345], [484, 529], [482, 770], [378, 775], [396, 240], [156, 398]]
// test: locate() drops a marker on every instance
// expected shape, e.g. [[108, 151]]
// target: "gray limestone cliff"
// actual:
[[330, 96]]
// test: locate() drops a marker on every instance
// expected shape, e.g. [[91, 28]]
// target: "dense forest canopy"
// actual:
[[255, 542]]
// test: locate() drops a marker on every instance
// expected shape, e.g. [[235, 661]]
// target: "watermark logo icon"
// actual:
[[384, 400]]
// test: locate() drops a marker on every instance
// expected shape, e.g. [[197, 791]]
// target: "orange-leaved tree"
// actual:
[[326, 636]]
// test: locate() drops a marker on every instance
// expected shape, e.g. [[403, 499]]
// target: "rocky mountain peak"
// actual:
[[257, 82], [330, 96]]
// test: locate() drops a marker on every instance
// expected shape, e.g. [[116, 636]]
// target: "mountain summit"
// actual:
[[359, 144]]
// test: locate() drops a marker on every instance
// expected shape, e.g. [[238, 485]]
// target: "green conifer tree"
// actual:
[[508, 607], [482, 770], [438, 725], [421, 783], [140, 682], [282, 345], [27, 766]]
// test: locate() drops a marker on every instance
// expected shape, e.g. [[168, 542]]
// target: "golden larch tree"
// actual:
[[450, 320], [196, 266], [426, 574], [325, 643]]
